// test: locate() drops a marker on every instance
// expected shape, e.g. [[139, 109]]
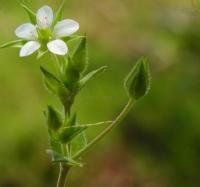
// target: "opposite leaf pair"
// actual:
[[71, 77]]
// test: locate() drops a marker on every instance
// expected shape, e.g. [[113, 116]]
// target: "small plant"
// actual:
[[48, 33]]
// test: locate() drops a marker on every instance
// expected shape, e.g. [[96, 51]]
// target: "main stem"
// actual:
[[64, 170]]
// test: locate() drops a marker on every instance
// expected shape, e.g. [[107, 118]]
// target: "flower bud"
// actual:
[[137, 82]]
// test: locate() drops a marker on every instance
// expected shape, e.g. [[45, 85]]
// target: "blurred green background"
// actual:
[[158, 145]]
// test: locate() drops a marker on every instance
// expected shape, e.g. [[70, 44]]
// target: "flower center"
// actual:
[[44, 35]]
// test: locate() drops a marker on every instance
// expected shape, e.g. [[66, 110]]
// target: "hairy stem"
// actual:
[[64, 170], [117, 121]]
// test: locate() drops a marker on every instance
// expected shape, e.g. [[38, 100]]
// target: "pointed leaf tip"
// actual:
[[59, 13], [67, 134], [54, 118], [137, 82], [91, 75], [31, 14], [16, 43], [52, 84]]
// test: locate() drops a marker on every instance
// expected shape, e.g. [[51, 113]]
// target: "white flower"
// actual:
[[42, 35]]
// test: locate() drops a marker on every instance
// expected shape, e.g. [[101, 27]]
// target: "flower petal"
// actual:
[[27, 31], [29, 48], [44, 17], [58, 47], [65, 28]]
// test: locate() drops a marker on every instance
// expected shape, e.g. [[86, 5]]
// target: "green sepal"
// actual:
[[80, 55], [31, 14], [15, 43], [54, 118], [59, 13], [91, 75], [137, 83]]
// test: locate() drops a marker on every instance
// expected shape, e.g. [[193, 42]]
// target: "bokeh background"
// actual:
[[158, 144]]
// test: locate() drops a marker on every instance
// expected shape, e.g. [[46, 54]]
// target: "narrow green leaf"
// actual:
[[80, 141], [56, 151], [15, 43], [89, 125], [137, 82], [91, 75], [80, 55], [56, 87], [59, 13], [84, 138], [49, 75], [67, 134], [31, 14], [54, 118], [53, 84]]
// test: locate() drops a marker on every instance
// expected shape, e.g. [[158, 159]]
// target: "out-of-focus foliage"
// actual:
[[158, 144]]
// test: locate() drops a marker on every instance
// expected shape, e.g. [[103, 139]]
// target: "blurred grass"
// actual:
[[158, 144]]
